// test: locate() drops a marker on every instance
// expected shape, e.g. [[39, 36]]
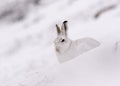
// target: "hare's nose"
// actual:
[[56, 44]]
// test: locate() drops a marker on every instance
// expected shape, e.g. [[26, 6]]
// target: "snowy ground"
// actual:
[[27, 56]]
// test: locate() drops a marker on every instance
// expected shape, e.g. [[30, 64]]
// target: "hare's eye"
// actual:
[[62, 40]]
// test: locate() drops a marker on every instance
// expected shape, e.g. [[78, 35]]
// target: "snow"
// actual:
[[27, 55]]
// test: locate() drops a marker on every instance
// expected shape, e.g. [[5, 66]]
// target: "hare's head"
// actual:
[[62, 42]]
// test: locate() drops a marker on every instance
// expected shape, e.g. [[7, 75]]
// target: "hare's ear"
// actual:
[[64, 28], [58, 29]]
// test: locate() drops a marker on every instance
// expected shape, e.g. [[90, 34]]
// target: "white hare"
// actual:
[[67, 49]]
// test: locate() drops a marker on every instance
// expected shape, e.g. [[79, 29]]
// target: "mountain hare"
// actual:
[[67, 49]]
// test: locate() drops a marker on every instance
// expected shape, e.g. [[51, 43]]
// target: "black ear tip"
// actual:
[[65, 21], [56, 25]]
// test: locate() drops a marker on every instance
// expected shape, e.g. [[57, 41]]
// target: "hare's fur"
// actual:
[[68, 49]]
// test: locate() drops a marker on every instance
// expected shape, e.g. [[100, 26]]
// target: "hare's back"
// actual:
[[86, 44]]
